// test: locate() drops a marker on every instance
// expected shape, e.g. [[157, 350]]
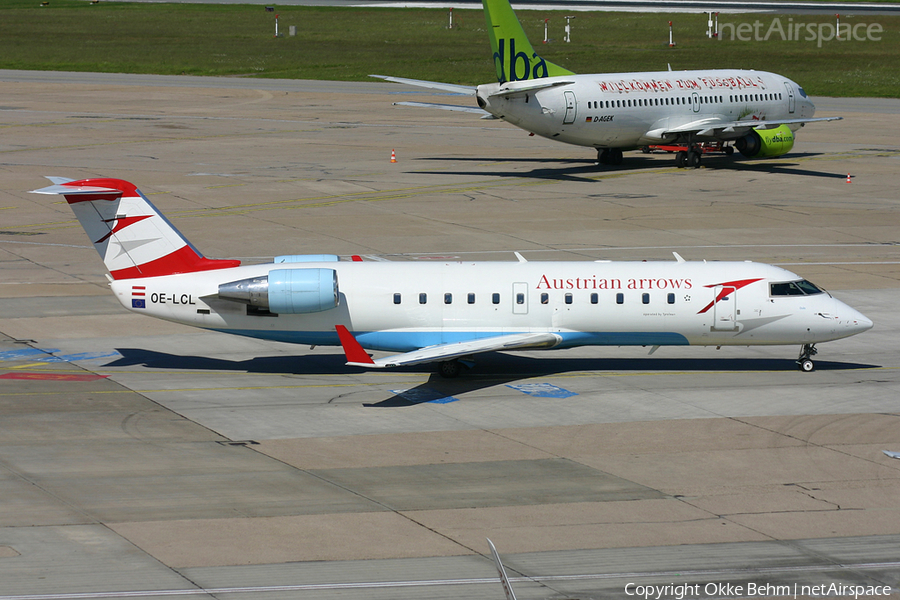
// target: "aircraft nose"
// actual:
[[852, 319]]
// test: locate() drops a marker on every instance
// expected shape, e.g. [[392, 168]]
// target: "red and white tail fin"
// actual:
[[133, 238]]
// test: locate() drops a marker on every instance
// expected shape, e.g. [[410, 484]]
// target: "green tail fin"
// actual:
[[514, 58]]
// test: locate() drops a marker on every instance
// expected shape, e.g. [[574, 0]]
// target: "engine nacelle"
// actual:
[[304, 258], [286, 291], [766, 142]]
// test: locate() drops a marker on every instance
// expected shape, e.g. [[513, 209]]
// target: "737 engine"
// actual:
[[766, 142]]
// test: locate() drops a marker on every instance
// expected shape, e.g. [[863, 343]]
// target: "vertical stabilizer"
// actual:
[[514, 57], [132, 237], [504, 580]]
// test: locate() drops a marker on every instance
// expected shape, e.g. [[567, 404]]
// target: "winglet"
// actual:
[[504, 580], [354, 352]]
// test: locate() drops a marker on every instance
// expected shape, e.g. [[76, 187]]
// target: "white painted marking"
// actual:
[[682, 575]]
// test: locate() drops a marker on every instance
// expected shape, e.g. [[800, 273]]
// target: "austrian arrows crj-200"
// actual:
[[447, 312], [611, 112]]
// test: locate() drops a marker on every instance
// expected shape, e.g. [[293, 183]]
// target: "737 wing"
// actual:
[[358, 357], [730, 129]]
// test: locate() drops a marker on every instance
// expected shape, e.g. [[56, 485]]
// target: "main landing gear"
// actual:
[[450, 369], [804, 362], [609, 156], [689, 158]]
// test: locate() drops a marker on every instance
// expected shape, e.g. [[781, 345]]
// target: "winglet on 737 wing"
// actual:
[[504, 580]]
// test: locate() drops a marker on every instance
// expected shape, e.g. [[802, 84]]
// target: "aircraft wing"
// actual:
[[466, 90], [705, 127], [358, 357]]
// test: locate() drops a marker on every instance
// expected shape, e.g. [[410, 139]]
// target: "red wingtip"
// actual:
[[353, 351]]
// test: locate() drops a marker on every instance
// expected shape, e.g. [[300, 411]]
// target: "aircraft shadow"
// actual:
[[491, 369], [587, 169], [313, 364], [497, 369]]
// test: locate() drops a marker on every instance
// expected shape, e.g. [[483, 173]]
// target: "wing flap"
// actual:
[[357, 356]]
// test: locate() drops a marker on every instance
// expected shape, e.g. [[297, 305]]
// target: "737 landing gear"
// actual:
[[609, 156], [804, 362]]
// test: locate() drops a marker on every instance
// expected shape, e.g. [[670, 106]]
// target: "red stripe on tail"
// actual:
[[184, 260]]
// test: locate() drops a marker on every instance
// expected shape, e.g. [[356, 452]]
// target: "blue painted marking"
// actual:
[[138, 303], [79, 356], [48, 355], [424, 396], [542, 390], [25, 354]]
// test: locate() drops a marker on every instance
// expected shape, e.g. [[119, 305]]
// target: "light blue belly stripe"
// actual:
[[403, 341]]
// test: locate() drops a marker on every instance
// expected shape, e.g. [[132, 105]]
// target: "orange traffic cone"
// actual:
[[848, 178], [394, 159]]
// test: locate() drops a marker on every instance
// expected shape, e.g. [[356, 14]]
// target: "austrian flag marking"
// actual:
[[138, 293]]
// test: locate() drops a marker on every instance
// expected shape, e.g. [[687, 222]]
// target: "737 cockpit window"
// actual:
[[794, 288]]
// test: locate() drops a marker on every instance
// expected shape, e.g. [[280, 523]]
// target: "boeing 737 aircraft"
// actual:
[[612, 112], [447, 312]]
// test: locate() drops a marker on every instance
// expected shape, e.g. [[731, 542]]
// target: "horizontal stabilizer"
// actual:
[[468, 109], [517, 90], [466, 90], [358, 357]]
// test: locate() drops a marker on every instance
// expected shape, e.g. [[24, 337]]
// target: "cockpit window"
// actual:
[[794, 288], [802, 93]]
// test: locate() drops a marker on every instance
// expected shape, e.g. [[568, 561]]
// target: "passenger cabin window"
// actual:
[[670, 298], [396, 298], [595, 298], [545, 298], [495, 298], [569, 298], [794, 288], [645, 298], [471, 299], [423, 298], [520, 298], [448, 298], [620, 298]]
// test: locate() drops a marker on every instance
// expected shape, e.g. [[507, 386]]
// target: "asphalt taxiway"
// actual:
[[140, 458]]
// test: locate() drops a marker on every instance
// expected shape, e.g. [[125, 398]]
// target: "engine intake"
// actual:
[[286, 291]]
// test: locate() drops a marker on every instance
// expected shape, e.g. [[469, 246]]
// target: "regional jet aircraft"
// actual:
[[447, 312], [612, 112]]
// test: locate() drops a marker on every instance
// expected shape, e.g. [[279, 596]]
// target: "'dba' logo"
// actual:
[[520, 66]]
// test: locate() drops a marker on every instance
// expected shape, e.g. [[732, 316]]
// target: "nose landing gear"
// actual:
[[804, 362]]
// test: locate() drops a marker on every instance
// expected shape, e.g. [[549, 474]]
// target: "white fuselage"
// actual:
[[624, 110], [401, 306]]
